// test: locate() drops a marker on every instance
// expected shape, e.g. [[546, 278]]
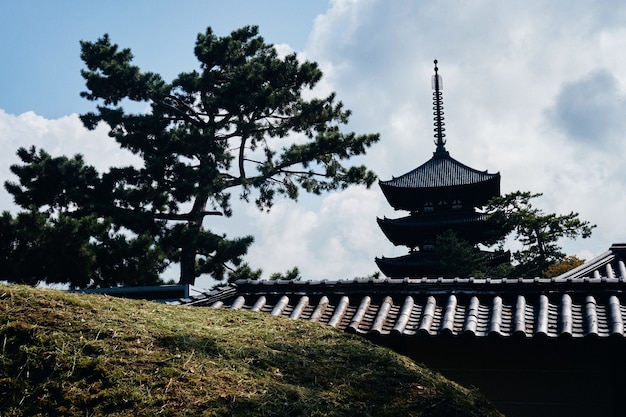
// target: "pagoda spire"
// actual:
[[440, 141]]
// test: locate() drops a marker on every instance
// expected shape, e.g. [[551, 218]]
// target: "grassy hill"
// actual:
[[71, 354]]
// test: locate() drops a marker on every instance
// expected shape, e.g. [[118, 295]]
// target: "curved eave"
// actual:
[[441, 171], [413, 230], [415, 264], [414, 198], [610, 264], [419, 264], [441, 178]]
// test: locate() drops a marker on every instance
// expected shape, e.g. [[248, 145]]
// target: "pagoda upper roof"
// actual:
[[441, 171], [442, 178]]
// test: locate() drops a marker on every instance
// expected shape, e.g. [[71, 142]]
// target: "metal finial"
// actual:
[[437, 85]]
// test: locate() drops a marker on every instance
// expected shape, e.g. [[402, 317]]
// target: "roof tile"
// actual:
[[588, 302], [440, 172]]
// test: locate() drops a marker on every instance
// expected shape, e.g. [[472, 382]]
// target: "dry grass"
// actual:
[[71, 354]]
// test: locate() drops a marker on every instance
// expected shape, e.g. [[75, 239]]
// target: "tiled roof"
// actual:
[[413, 230], [440, 171], [587, 302], [428, 263], [441, 178], [610, 264]]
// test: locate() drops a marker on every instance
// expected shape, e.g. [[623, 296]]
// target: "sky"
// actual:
[[534, 90]]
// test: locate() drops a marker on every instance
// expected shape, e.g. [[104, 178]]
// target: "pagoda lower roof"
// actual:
[[413, 230], [442, 178], [424, 263]]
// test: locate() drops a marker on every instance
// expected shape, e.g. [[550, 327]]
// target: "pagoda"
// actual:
[[441, 194]]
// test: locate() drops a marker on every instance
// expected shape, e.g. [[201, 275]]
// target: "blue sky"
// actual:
[[39, 40], [535, 90]]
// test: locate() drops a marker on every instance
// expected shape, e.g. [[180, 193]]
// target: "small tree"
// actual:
[[240, 121], [566, 264], [60, 238], [291, 274], [458, 258], [537, 231], [35, 248]]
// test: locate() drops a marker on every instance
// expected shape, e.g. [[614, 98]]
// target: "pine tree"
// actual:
[[239, 122]]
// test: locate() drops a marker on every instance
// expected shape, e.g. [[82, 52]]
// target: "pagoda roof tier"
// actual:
[[425, 263], [414, 230], [413, 265], [442, 178]]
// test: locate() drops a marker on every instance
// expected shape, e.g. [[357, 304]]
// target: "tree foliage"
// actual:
[[241, 121], [60, 237], [459, 258], [566, 264], [291, 274], [515, 216], [79, 251], [538, 232]]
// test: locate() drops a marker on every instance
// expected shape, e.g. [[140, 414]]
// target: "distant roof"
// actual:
[[159, 293], [441, 177], [609, 265], [588, 301]]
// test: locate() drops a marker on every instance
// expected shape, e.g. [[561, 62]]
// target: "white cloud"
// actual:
[[523, 83], [283, 49], [281, 236], [329, 243], [591, 110], [63, 136]]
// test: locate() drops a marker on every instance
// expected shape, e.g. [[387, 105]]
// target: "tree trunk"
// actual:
[[187, 265], [189, 247], [188, 251]]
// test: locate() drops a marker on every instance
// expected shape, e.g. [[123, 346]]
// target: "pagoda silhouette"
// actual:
[[440, 195]]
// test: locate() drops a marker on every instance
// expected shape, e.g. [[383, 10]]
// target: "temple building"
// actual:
[[441, 194]]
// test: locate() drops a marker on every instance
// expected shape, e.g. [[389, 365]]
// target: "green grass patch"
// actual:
[[91, 355]]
